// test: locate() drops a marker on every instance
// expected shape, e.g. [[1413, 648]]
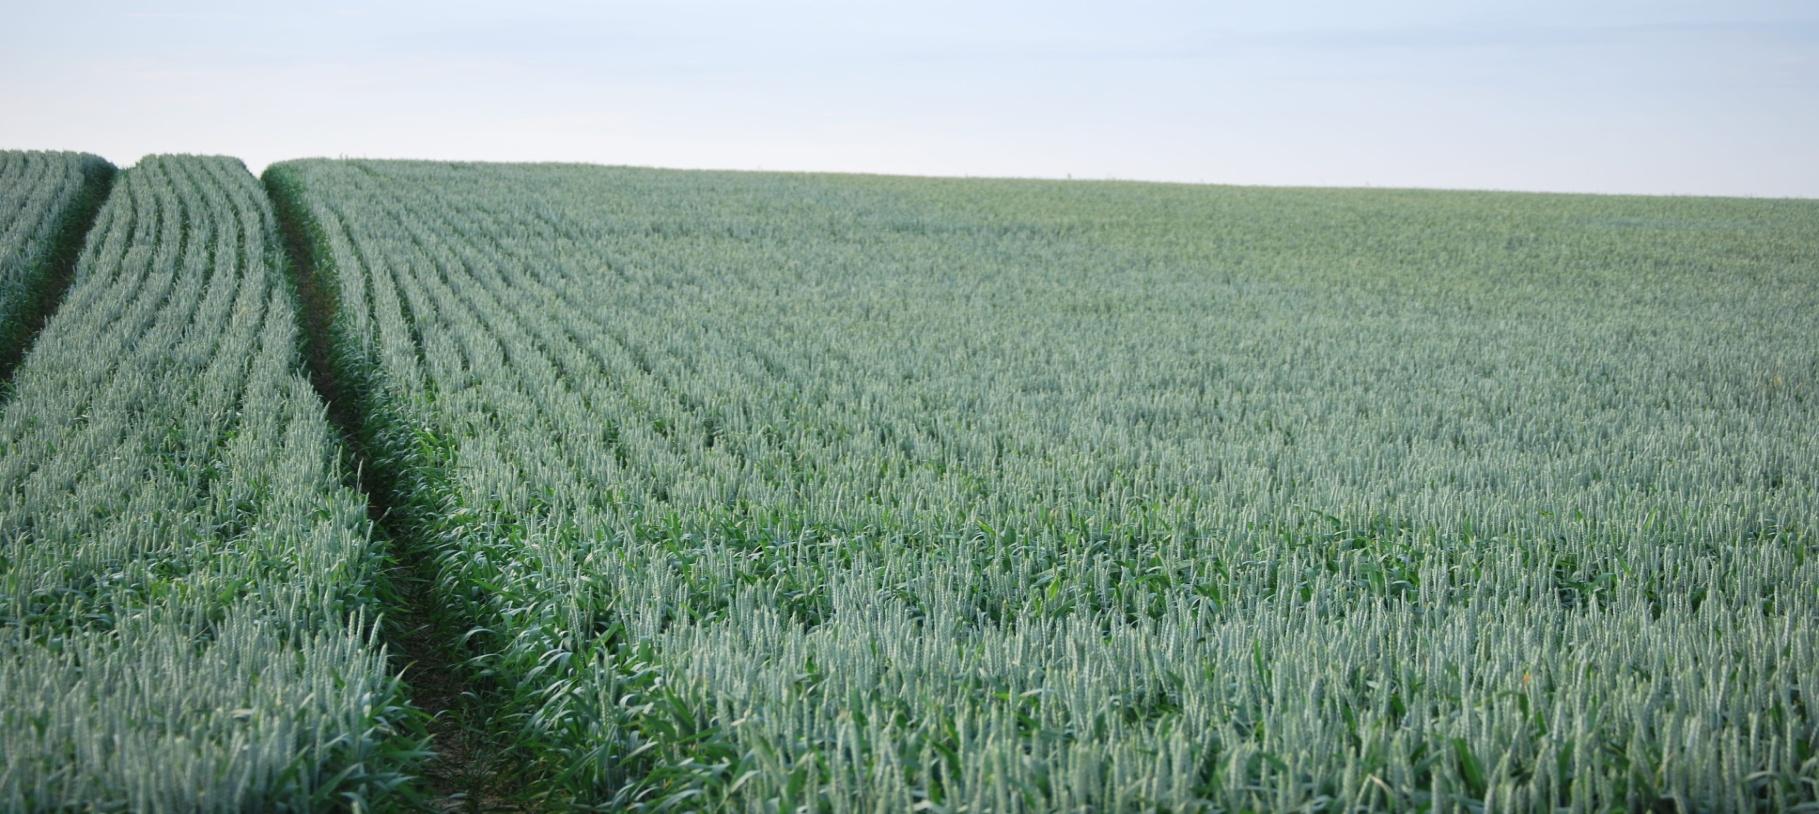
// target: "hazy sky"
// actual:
[[1668, 96]]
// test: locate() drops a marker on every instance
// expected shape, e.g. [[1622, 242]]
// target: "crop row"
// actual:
[[187, 589], [763, 492], [46, 201]]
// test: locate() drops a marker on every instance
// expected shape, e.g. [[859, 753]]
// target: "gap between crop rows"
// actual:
[[471, 766]]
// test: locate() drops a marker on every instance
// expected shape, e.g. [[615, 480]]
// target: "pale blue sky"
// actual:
[[1663, 96]]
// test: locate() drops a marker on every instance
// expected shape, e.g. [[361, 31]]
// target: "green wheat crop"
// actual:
[[809, 493], [185, 585], [39, 193]]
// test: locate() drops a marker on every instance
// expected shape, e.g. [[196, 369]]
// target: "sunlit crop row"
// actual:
[[779, 493], [186, 587]]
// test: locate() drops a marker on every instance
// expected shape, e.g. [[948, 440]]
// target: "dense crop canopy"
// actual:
[[875, 494], [184, 580], [42, 195]]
